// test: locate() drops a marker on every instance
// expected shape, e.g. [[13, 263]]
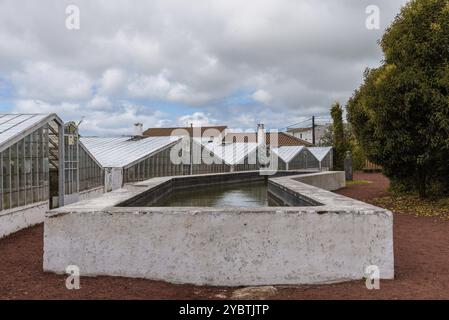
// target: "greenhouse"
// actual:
[[84, 176], [295, 158], [91, 173], [131, 159], [324, 156], [204, 157], [38, 175], [31, 163], [235, 156]]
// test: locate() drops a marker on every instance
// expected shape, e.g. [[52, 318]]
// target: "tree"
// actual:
[[327, 139], [358, 157], [338, 135], [400, 114]]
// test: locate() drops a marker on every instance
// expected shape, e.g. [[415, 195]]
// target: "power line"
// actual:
[[319, 120], [294, 125]]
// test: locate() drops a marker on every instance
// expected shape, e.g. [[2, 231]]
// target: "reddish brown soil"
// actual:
[[421, 263]]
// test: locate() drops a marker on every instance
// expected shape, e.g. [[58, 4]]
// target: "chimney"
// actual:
[[260, 134], [138, 131]]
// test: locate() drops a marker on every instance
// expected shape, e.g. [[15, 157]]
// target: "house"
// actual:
[[208, 131], [307, 133], [283, 139]]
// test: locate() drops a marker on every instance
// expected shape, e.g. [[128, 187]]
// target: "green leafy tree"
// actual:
[[338, 135], [358, 157], [400, 114]]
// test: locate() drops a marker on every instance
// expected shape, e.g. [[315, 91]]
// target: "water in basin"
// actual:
[[252, 194]]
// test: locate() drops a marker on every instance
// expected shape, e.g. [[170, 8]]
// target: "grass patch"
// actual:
[[412, 204], [357, 182]]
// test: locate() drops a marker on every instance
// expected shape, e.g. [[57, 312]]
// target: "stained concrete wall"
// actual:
[[222, 246], [329, 180], [19, 218], [91, 193], [71, 198]]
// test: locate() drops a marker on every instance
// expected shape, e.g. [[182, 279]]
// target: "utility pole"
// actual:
[[313, 130]]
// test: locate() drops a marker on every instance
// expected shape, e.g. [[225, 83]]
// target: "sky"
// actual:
[[174, 62]]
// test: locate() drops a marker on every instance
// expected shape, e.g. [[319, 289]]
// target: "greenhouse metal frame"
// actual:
[[324, 156], [29, 147], [302, 158], [235, 156], [91, 173], [30, 153]]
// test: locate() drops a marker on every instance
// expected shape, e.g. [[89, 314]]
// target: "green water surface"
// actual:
[[252, 194]]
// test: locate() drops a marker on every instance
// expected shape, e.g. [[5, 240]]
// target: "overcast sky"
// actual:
[[168, 63]]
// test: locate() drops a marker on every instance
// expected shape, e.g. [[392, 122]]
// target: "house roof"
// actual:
[[284, 139], [166, 132], [124, 151], [14, 126], [231, 154], [287, 153], [320, 152]]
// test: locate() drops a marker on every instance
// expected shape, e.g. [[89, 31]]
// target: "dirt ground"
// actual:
[[421, 264]]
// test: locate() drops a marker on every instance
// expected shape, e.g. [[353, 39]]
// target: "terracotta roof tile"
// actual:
[[283, 138], [165, 132]]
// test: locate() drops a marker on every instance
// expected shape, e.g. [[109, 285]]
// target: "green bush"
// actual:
[[400, 114]]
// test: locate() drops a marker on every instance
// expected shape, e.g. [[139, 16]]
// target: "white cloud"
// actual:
[[102, 122], [197, 119], [39, 106], [112, 81], [182, 93], [41, 80], [149, 86], [128, 46], [262, 96], [99, 102], [121, 120], [293, 57], [159, 87]]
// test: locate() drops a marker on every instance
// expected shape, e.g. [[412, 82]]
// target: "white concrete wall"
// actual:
[[328, 180], [84, 195], [91, 193], [222, 248], [20, 218], [71, 198]]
